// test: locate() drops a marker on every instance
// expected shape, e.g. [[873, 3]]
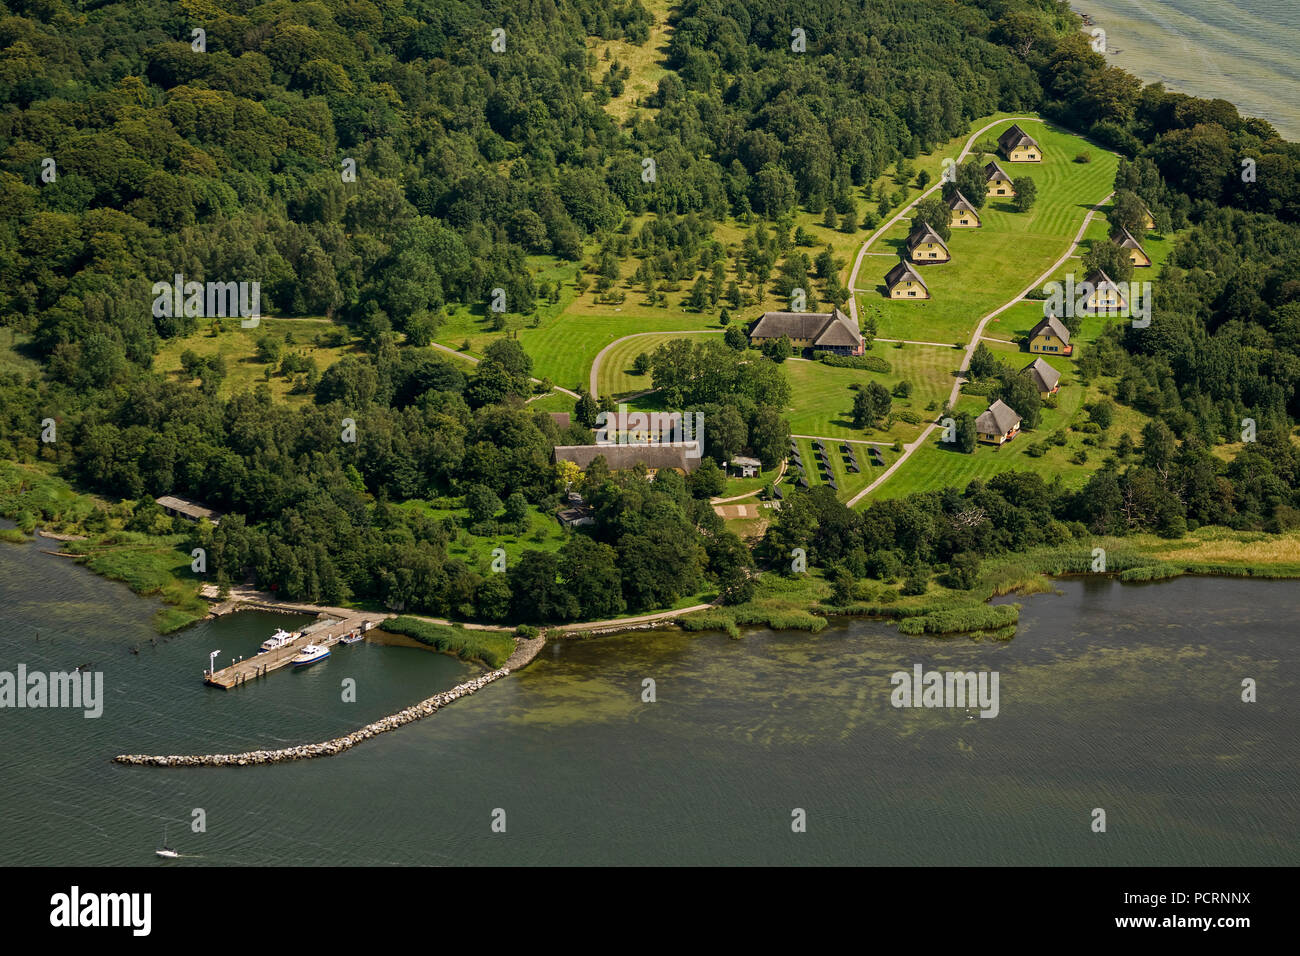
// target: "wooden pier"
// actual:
[[327, 632]]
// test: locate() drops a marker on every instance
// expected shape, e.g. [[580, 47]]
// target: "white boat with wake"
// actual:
[[165, 850]]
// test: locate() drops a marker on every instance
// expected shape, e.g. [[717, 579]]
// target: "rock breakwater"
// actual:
[[525, 651]]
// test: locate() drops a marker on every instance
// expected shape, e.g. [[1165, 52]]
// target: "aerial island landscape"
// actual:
[[648, 432]]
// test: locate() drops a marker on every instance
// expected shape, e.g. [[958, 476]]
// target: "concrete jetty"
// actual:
[[325, 632]]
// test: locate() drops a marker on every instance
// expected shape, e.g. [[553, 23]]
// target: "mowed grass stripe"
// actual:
[[564, 349], [616, 377]]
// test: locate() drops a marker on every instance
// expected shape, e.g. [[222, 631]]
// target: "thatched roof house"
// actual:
[[832, 331], [681, 456]]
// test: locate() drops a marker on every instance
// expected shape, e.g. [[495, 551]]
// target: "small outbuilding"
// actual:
[[179, 507]]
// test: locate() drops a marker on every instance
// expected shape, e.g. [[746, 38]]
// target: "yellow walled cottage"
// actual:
[[998, 425], [1105, 295], [1019, 147], [1148, 220], [964, 215], [998, 180], [925, 246], [1051, 337], [1136, 254], [904, 282]]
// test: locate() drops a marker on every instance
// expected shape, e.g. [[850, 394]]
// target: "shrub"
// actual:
[[869, 363], [492, 647], [917, 580], [980, 617]]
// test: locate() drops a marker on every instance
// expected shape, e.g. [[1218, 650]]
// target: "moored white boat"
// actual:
[[310, 655], [279, 639]]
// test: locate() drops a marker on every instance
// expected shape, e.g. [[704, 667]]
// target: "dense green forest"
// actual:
[[128, 156]]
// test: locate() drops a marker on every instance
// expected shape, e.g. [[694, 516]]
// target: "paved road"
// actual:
[[902, 213], [941, 345], [855, 441], [475, 361]]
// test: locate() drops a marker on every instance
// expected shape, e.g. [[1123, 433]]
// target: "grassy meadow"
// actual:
[[991, 264]]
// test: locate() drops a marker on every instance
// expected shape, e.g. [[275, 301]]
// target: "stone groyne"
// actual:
[[525, 651]]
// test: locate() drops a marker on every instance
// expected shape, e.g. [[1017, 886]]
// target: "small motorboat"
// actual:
[[310, 655], [352, 637]]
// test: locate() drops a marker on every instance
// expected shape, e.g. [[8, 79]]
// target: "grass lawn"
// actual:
[[238, 346], [564, 348], [936, 464], [544, 533], [553, 402], [994, 262], [849, 484], [646, 62], [823, 397], [744, 486]]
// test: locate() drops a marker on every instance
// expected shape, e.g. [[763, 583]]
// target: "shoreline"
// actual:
[[1144, 558], [1186, 51]]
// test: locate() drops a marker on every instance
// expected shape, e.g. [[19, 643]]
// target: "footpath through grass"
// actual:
[[991, 264]]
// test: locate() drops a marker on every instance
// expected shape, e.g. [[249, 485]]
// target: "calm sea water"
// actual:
[[1243, 51], [1125, 698]]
